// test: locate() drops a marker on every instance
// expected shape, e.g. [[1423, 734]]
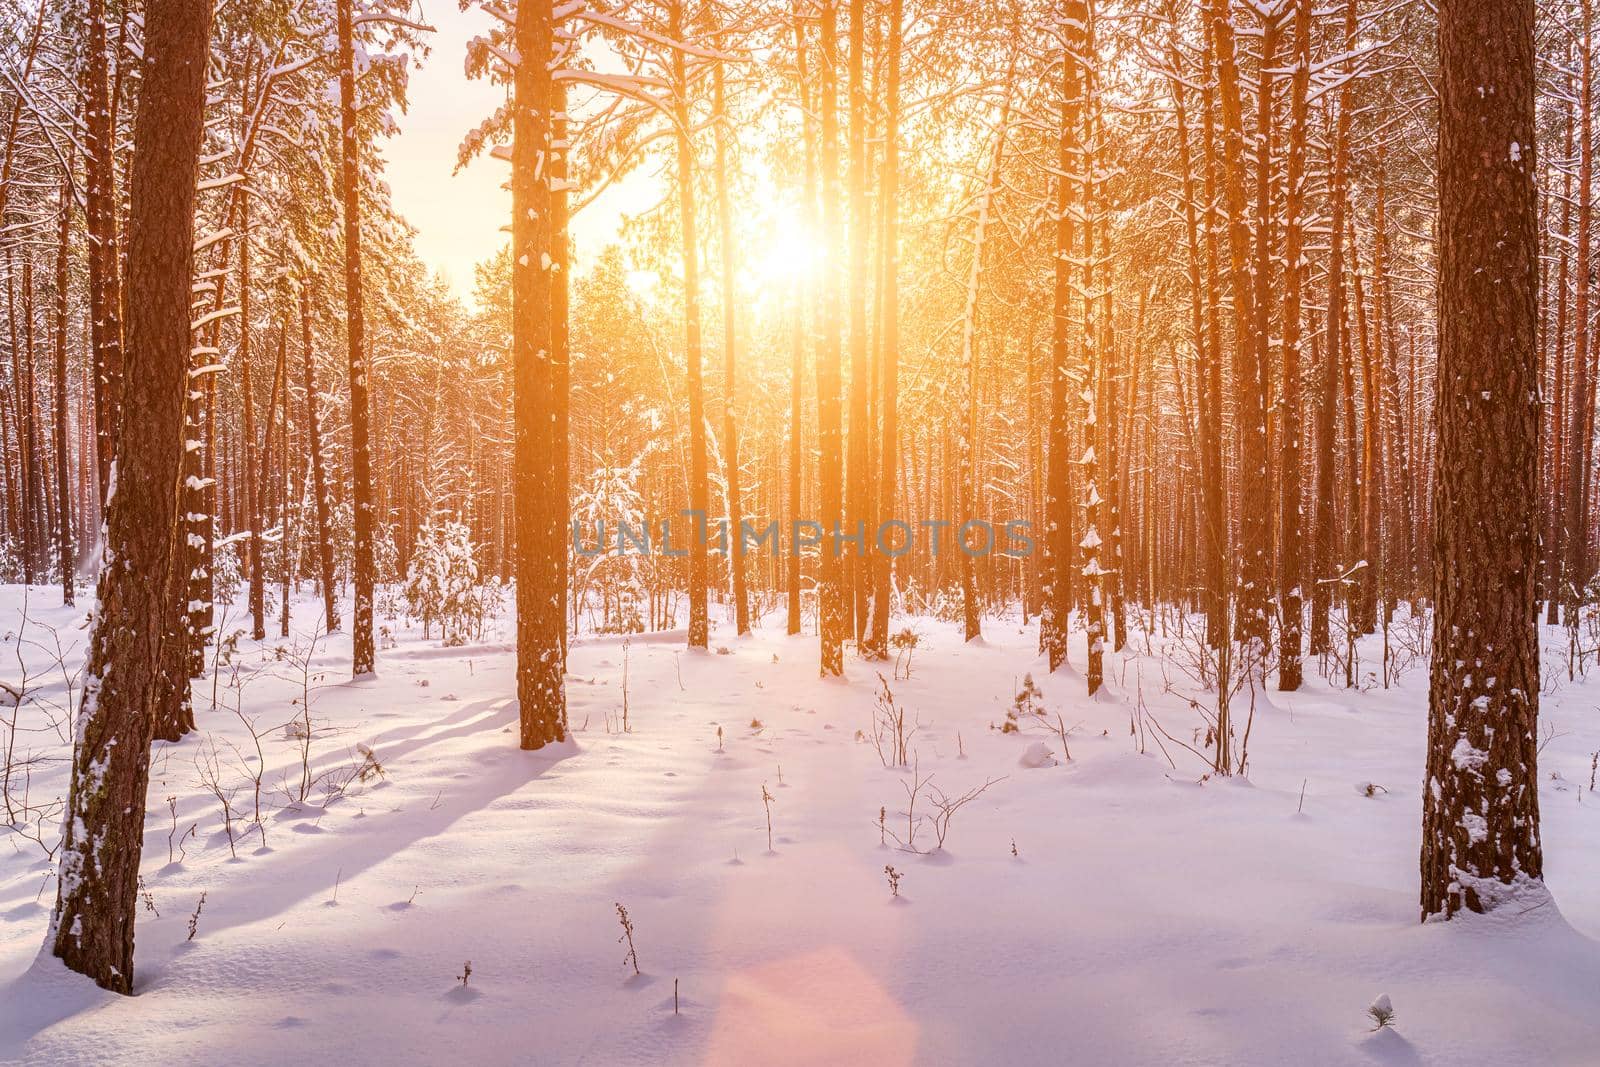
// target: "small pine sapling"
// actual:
[[1381, 1013], [904, 643], [1026, 697], [441, 581], [632, 958]]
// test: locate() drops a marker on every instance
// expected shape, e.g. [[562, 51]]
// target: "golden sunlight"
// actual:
[[786, 253]]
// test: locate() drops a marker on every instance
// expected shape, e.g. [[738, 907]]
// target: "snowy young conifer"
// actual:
[[442, 581]]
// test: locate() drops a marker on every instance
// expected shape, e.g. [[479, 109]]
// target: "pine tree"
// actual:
[[834, 614], [1060, 552], [319, 481], [1480, 821], [699, 494], [91, 928], [364, 659], [540, 518], [877, 643], [105, 276], [730, 349]]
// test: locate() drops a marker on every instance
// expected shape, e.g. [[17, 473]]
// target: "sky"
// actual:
[[461, 217]]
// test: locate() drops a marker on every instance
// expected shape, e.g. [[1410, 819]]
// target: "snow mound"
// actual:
[[1037, 754]]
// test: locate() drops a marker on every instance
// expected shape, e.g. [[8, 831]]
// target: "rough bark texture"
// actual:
[[730, 356], [319, 483], [699, 622], [105, 279], [1291, 563], [365, 653], [1326, 540], [803, 304], [1250, 344], [1480, 816], [857, 460], [92, 925], [1577, 531], [64, 541], [833, 603], [541, 615], [1055, 607], [877, 645]]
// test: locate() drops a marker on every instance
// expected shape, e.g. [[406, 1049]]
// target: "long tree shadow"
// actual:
[[47, 994]]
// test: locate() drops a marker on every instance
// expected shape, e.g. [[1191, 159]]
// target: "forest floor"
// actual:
[[1117, 907]]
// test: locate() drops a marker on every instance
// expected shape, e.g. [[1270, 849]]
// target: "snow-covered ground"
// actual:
[[1113, 908]]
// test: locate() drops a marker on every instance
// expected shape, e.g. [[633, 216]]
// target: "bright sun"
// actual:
[[785, 253], [776, 253]]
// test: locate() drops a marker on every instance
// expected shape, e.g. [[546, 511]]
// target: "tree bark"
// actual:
[[92, 924], [730, 350], [541, 616], [1291, 564], [364, 659], [319, 482], [65, 550], [699, 621], [877, 644], [834, 603], [105, 276], [1055, 609], [1249, 341], [857, 460], [1325, 564], [1480, 815]]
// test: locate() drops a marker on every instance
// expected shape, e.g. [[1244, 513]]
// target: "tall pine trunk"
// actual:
[[319, 481], [105, 275], [65, 552], [730, 361], [1291, 563], [877, 644], [1249, 342], [699, 621], [541, 614], [364, 658], [1325, 568], [834, 602], [1480, 814], [91, 928], [857, 479], [1055, 608]]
